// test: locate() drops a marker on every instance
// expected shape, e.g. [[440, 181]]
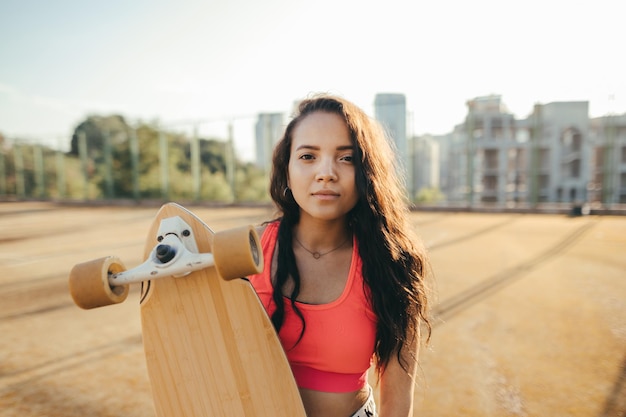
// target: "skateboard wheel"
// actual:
[[237, 253], [89, 283]]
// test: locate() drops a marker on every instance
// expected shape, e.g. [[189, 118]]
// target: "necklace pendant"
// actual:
[[316, 255]]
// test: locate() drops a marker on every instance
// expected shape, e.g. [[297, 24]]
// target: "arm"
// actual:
[[397, 385]]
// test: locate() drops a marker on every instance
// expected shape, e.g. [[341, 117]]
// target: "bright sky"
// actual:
[[176, 60]]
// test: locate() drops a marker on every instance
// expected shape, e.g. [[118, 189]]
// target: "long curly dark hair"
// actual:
[[395, 265]]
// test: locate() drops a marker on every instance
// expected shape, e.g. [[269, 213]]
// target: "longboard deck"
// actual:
[[211, 349]]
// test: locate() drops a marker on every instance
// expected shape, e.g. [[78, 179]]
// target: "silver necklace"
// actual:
[[318, 255]]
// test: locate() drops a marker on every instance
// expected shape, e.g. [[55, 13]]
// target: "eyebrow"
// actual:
[[317, 148]]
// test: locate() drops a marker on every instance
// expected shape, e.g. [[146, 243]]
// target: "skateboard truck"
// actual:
[[234, 254], [176, 255]]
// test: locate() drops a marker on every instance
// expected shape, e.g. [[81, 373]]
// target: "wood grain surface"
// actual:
[[210, 347]]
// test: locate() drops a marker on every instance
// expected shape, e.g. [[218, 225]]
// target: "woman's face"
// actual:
[[321, 172]]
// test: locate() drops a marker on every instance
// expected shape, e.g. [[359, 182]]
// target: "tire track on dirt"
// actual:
[[38, 298], [13, 381], [460, 302], [105, 249], [61, 230], [616, 401], [23, 212], [474, 234]]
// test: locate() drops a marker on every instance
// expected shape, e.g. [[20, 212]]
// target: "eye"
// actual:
[[347, 158], [306, 157]]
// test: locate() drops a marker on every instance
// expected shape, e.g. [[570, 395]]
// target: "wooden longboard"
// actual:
[[211, 349]]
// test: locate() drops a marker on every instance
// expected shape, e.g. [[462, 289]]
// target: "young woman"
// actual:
[[345, 279]]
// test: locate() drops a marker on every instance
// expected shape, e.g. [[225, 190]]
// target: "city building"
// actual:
[[268, 130], [559, 152], [390, 111], [426, 163], [497, 159], [608, 175]]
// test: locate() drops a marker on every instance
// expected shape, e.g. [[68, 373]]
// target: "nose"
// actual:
[[326, 170]]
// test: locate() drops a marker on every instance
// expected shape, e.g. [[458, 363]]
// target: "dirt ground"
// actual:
[[530, 314]]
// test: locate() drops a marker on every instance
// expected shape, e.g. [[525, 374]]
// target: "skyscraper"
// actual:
[[269, 127], [390, 111]]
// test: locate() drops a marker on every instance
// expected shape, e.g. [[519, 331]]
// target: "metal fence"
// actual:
[[148, 163]]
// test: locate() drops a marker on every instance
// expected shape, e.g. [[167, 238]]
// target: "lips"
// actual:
[[326, 193]]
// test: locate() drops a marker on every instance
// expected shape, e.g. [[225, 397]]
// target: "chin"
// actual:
[[325, 215]]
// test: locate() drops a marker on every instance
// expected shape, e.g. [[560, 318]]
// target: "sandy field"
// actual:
[[530, 313]]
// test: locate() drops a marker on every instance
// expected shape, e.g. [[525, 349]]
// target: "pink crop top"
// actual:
[[336, 349]]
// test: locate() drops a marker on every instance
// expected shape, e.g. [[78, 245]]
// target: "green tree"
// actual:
[[110, 164], [251, 184], [95, 128]]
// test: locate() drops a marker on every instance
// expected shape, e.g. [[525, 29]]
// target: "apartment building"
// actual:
[[495, 158], [484, 156], [608, 162], [559, 152]]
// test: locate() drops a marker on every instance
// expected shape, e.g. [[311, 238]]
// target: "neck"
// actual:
[[321, 236]]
